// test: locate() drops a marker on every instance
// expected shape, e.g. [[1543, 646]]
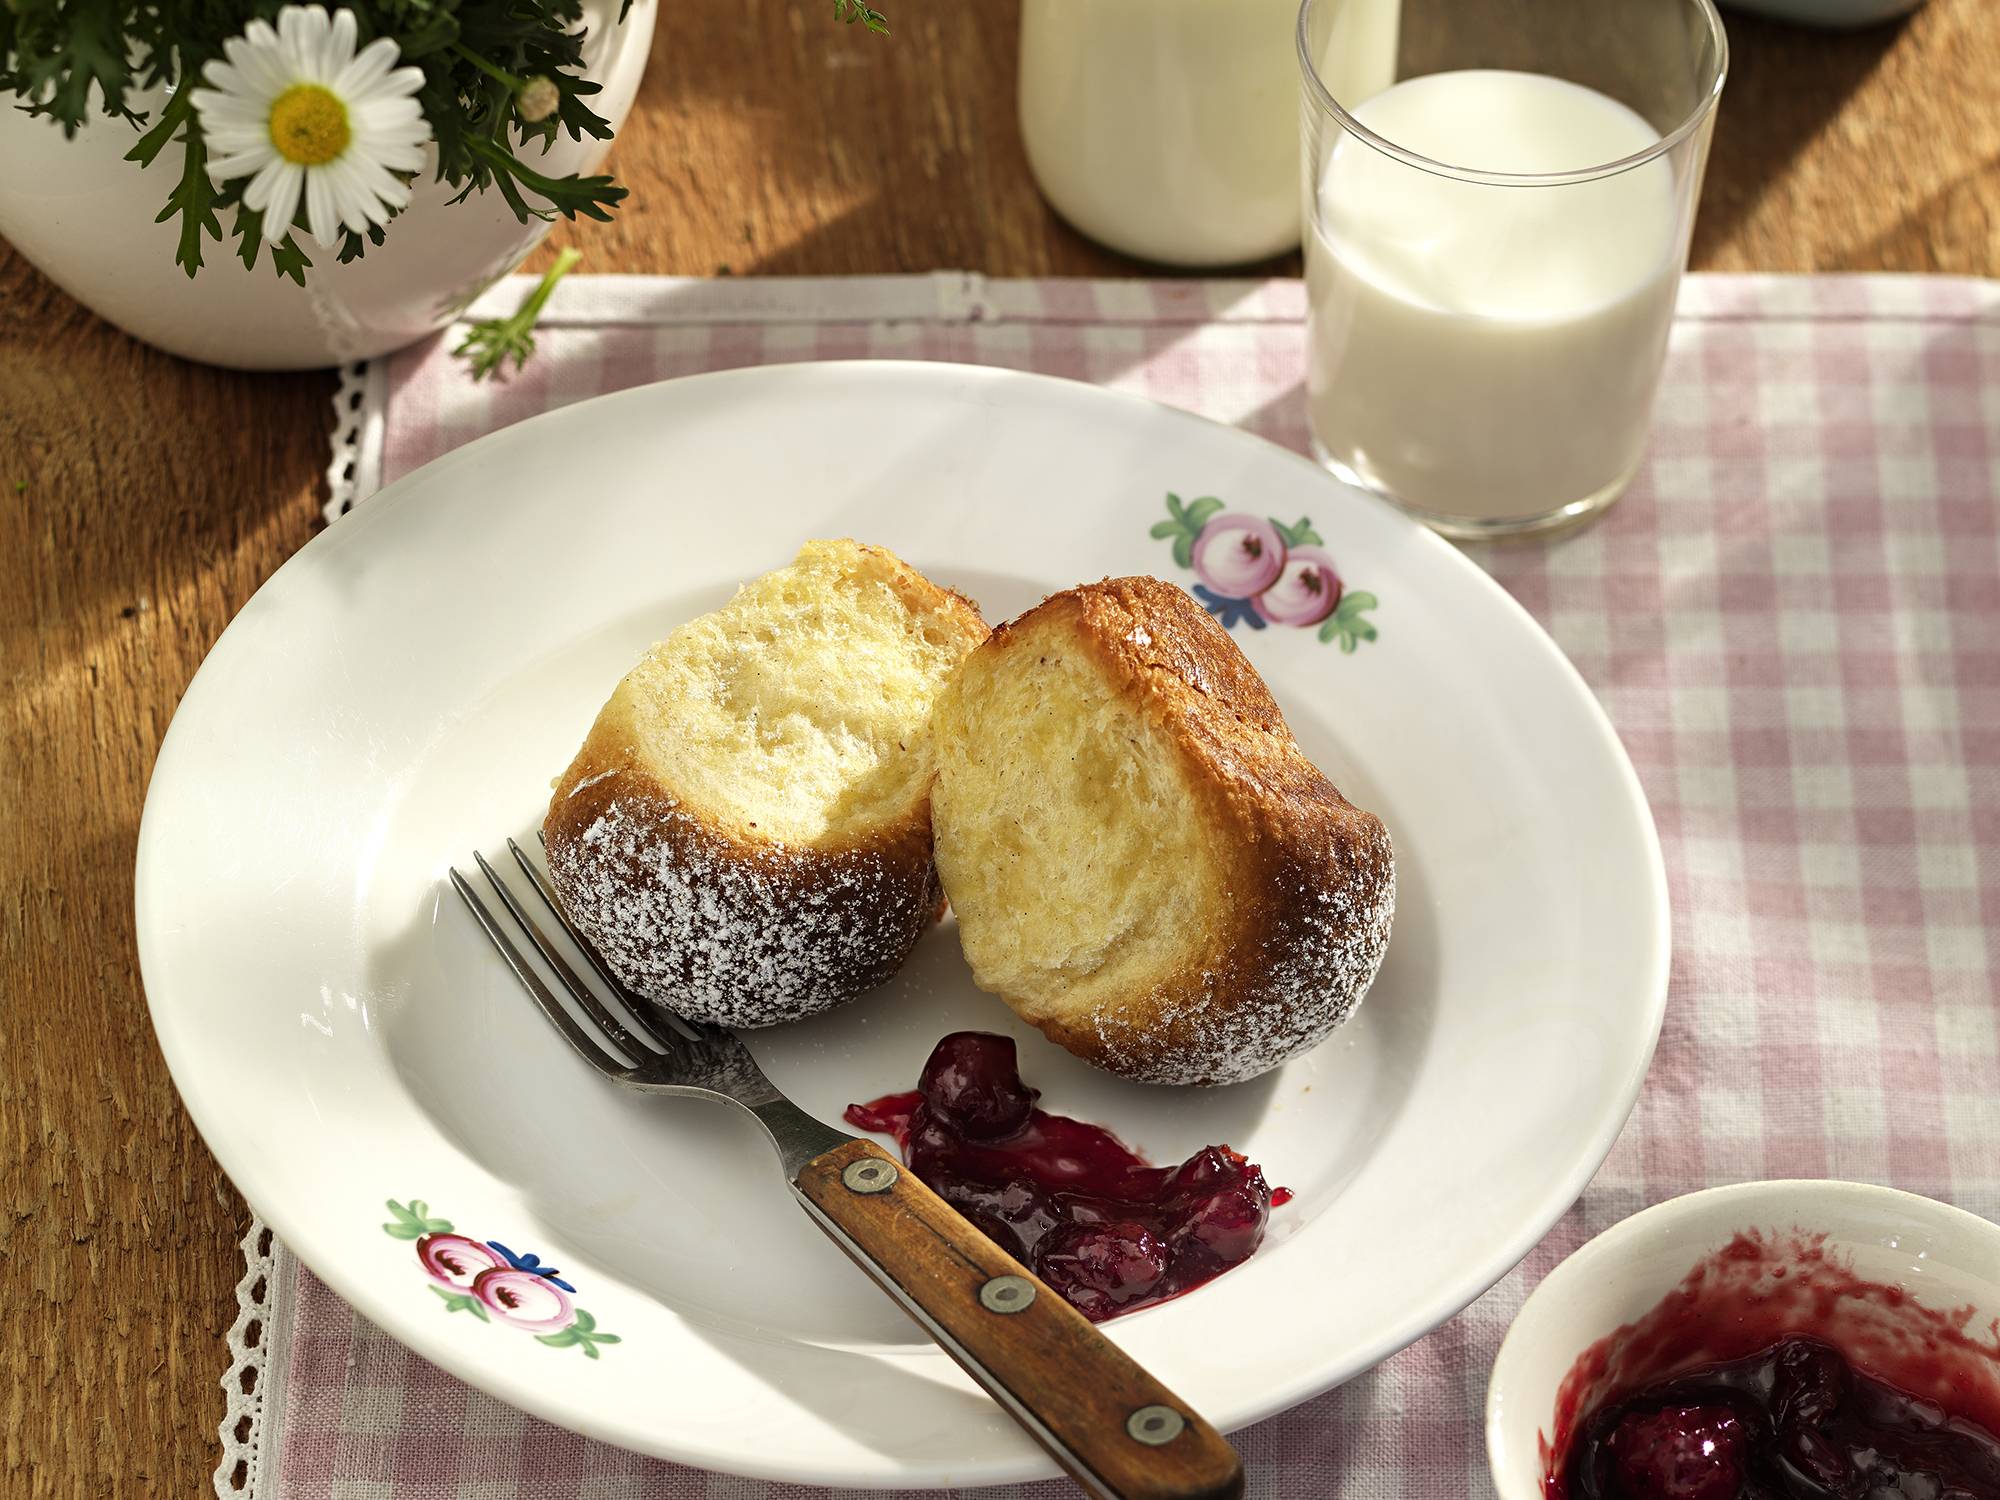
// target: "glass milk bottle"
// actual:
[[1493, 245], [1168, 129]]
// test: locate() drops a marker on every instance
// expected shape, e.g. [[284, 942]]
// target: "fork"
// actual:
[[1118, 1432]]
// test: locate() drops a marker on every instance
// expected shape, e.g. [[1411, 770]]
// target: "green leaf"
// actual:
[[1165, 529], [52, 54], [1199, 512], [1174, 506], [353, 246], [583, 1331], [461, 1302], [590, 1349], [1299, 534], [1349, 623], [149, 145], [249, 232], [193, 198], [288, 260], [852, 11], [413, 1222], [571, 196], [1184, 549]]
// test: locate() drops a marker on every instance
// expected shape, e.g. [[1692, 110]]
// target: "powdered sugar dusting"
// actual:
[[737, 934]]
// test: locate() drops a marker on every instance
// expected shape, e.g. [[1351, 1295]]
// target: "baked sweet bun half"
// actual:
[[745, 836], [1142, 861]]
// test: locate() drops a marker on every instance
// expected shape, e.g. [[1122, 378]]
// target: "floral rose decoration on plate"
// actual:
[[496, 1284], [1258, 571]]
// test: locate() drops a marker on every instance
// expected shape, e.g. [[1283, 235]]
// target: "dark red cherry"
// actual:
[[1680, 1453], [1100, 1268], [1230, 1225], [1222, 1203], [1809, 1376], [973, 1085], [1807, 1450], [1210, 1168]]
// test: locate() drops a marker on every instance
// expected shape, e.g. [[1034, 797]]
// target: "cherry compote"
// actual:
[[1794, 1421], [1775, 1372], [1067, 1198]]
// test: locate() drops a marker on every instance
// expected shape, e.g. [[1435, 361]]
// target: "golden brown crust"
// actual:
[[1310, 877]]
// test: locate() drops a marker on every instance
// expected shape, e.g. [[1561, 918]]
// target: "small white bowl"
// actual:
[[1943, 1257]]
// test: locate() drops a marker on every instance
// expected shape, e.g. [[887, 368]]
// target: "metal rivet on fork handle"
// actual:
[[1155, 1425], [1006, 1294], [869, 1175]]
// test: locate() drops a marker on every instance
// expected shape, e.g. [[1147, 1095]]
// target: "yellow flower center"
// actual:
[[309, 125]]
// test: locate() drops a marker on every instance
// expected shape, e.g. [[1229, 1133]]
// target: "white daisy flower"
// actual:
[[297, 110]]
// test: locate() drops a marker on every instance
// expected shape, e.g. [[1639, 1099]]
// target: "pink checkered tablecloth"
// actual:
[[1793, 619]]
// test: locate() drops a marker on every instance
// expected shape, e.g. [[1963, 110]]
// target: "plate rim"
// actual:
[[207, 1106]]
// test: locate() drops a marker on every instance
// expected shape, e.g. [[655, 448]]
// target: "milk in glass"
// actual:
[[1488, 351]]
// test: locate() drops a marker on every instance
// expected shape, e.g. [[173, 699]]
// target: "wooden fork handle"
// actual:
[[1120, 1433]]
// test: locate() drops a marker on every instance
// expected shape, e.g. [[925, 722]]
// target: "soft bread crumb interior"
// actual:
[[801, 709], [1066, 837]]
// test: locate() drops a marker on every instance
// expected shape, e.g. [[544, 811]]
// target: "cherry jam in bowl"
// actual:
[[1766, 1341]]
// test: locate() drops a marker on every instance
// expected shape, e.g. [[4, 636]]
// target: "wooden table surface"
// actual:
[[145, 499]]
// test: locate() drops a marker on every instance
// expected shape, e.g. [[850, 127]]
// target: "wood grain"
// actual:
[[1044, 1358], [142, 500]]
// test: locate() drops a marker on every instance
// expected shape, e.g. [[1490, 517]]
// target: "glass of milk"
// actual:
[[1493, 242], [1168, 128]]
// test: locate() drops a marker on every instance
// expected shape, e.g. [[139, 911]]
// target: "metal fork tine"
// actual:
[[642, 1011], [591, 1053], [571, 981]]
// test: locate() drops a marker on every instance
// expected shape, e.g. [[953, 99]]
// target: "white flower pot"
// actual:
[[84, 216]]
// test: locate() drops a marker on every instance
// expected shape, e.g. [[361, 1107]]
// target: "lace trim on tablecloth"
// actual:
[[244, 1382], [355, 469]]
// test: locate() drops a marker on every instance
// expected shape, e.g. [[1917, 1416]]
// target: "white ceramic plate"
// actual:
[[404, 690]]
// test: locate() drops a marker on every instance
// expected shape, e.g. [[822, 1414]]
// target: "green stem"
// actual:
[[538, 298], [491, 70]]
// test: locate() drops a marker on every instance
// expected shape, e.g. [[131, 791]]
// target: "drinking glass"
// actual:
[[1498, 198]]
